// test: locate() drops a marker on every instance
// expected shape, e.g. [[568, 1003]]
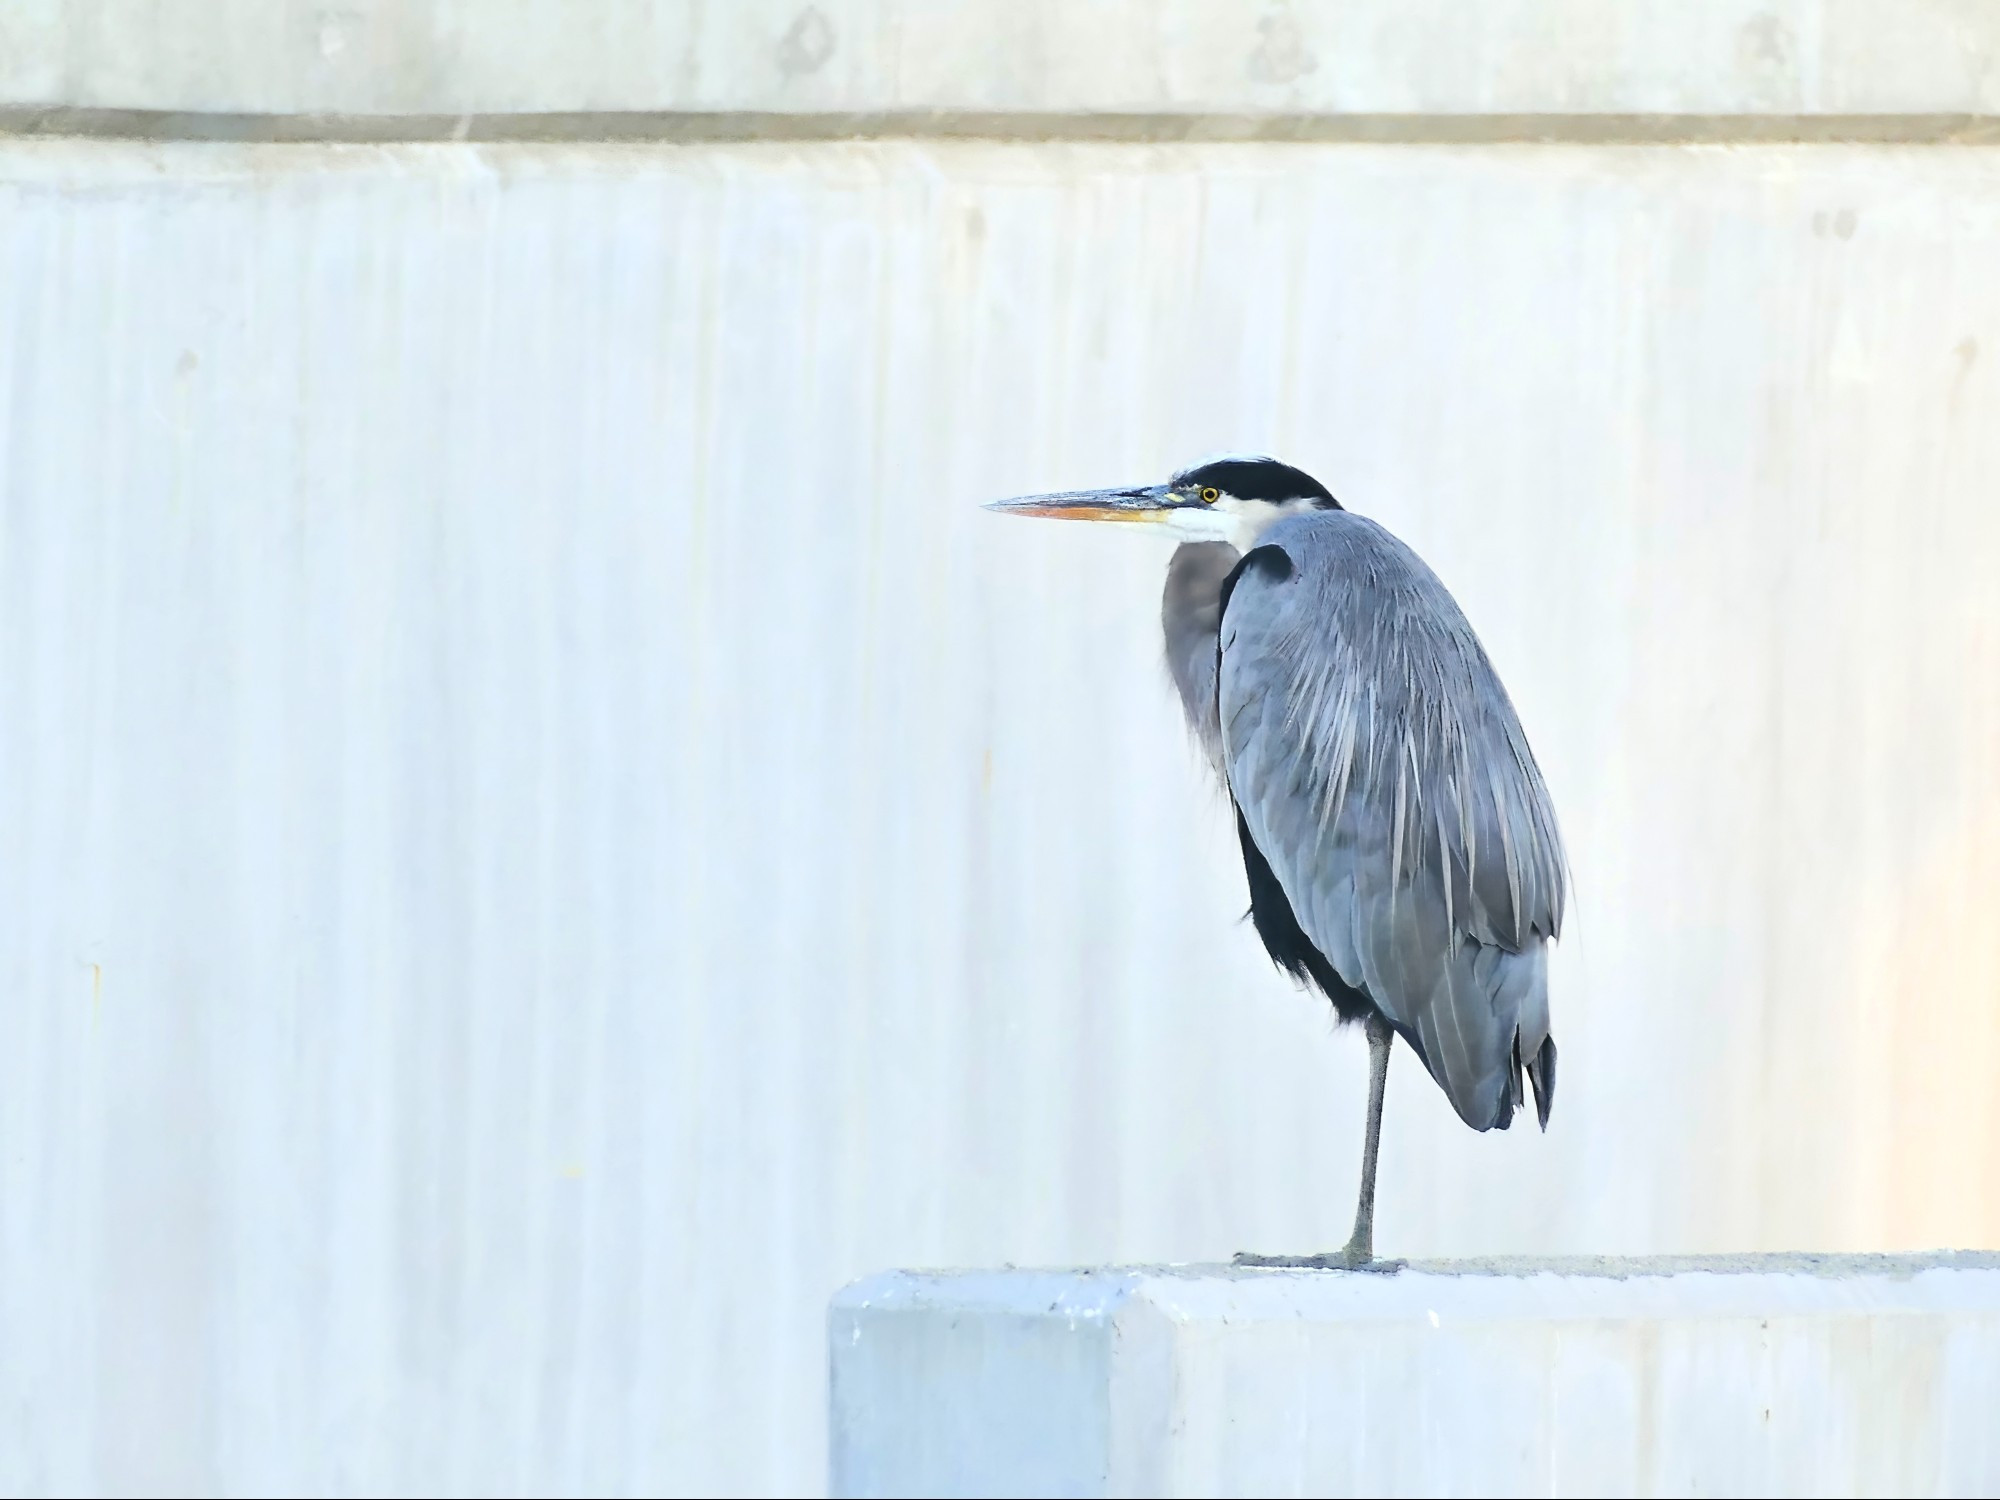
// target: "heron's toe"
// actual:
[[1384, 1267], [1347, 1259]]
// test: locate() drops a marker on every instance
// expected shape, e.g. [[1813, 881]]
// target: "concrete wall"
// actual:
[[1748, 1375], [1453, 57], [541, 831]]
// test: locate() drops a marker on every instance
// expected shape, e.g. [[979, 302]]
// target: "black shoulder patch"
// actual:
[[1272, 561]]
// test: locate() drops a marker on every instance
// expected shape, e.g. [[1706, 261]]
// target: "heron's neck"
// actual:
[[1250, 519]]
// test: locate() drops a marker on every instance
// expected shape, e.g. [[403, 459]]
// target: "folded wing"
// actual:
[[1380, 769]]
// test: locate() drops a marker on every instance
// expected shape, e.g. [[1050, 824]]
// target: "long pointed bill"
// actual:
[[1152, 503]]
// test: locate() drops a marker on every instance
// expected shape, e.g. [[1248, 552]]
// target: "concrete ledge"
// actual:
[[1715, 58], [714, 127], [1738, 1375]]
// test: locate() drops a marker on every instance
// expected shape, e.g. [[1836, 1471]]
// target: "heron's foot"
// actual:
[[1349, 1258]]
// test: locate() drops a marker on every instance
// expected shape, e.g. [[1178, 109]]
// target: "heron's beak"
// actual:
[[1153, 503]]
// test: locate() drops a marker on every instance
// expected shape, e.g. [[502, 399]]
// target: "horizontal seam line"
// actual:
[[696, 127]]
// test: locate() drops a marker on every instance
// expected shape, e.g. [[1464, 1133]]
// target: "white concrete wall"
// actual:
[[541, 831], [1739, 1376], [544, 832], [1453, 57]]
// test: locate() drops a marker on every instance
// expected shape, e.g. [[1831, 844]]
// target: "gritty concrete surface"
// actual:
[[1687, 1375], [1409, 58]]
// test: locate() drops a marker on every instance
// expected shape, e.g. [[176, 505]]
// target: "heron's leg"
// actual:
[[1381, 1038], [1359, 1254]]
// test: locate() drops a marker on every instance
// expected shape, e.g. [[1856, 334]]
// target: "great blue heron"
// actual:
[[1401, 849]]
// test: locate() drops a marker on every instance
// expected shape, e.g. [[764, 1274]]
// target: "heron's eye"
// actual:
[[1210, 495]]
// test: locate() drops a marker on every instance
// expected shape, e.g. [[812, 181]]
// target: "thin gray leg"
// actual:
[[1359, 1255], [1361, 1246]]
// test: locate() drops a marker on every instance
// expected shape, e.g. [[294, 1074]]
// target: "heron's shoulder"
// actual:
[[1333, 533], [1353, 577], [1357, 548]]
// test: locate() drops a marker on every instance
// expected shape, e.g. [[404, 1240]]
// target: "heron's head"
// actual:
[[1223, 500]]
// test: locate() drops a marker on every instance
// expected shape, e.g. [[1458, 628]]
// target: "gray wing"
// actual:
[[1190, 613], [1381, 770]]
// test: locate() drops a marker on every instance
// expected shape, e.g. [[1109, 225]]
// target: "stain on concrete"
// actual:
[[806, 45], [1645, 1338], [1766, 53], [332, 32], [1764, 43], [1281, 56]]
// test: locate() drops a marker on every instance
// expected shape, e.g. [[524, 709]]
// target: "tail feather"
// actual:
[[1542, 1075]]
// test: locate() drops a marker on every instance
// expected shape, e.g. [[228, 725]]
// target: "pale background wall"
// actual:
[[541, 830]]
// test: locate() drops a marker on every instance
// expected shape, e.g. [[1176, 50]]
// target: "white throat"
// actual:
[[1237, 522]]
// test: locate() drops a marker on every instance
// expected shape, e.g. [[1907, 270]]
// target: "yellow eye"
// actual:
[[1210, 496]]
